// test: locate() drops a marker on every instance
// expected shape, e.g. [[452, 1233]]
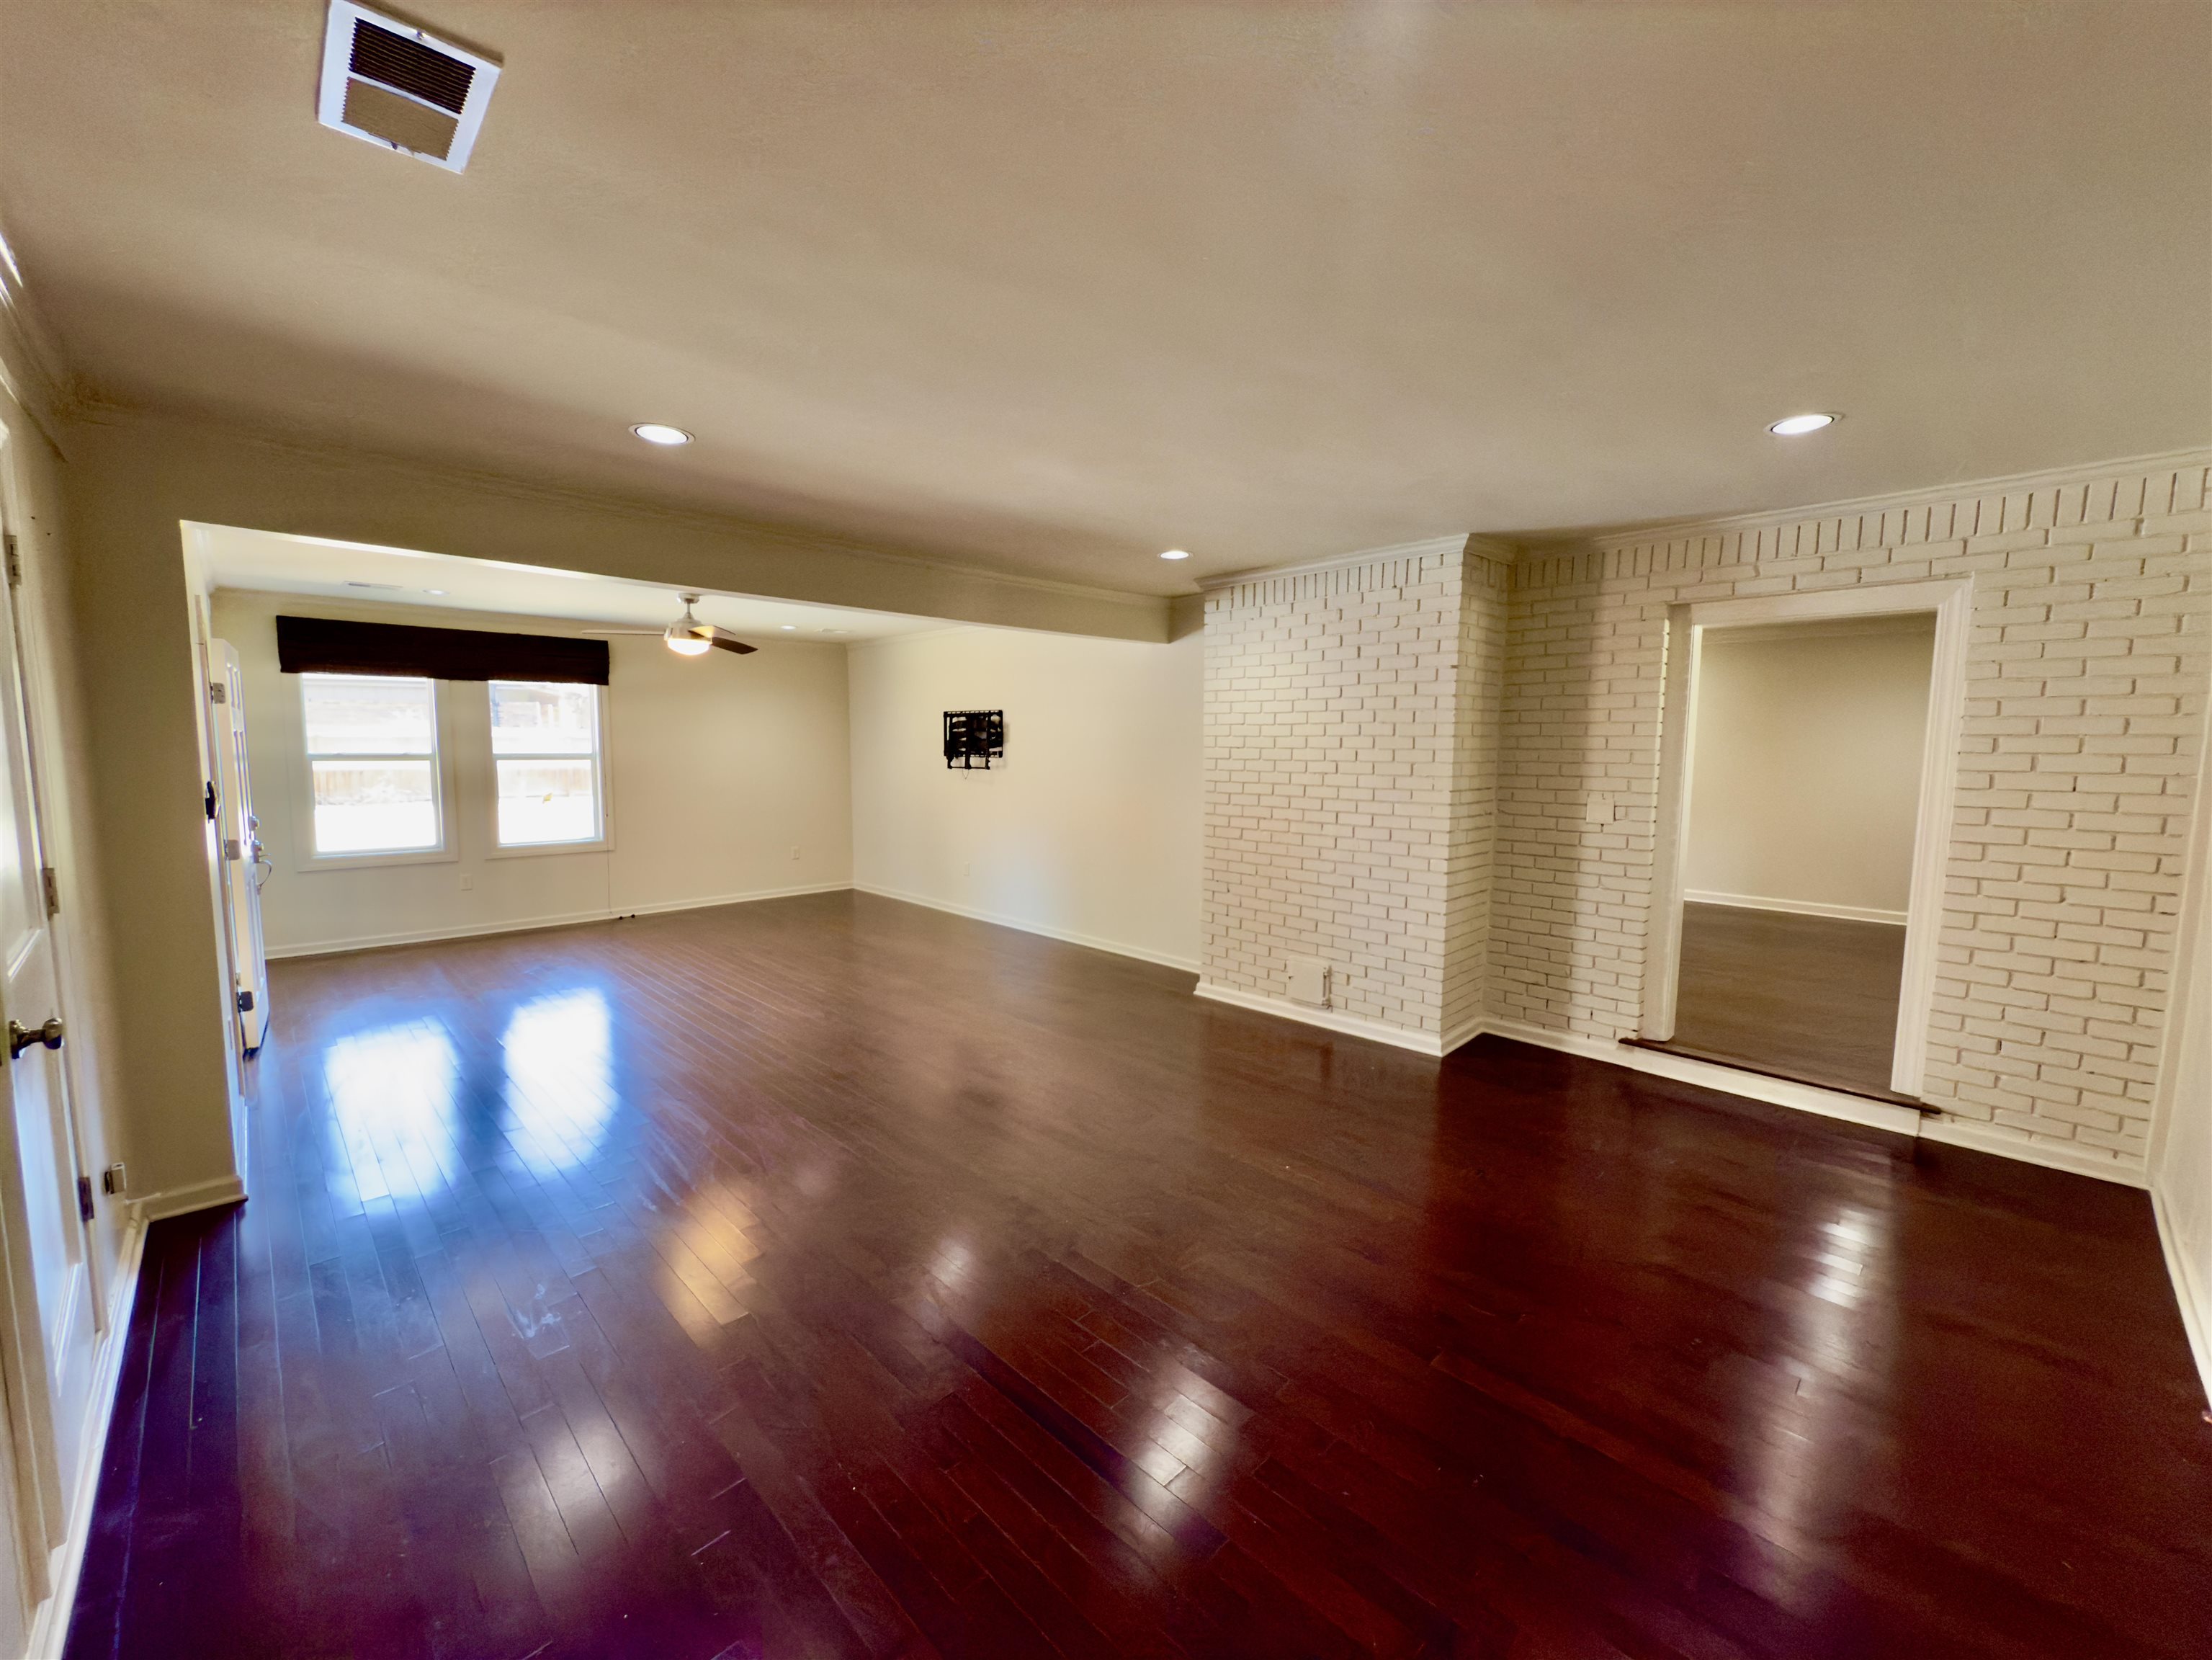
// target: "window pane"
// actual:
[[369, 714], [531, 717], [547, 801], [374, 806]]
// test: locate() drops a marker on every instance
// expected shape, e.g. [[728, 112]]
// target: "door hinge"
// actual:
[[218, 692], [52, 881], [211, 799], [231, 849], [15, 561], [84, 1197]]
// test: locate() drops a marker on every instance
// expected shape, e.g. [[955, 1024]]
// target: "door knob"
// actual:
[[21, 1037]]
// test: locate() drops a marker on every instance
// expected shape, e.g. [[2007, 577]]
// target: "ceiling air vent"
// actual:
[[397, 85]]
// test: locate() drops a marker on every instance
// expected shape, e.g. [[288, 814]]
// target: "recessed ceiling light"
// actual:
[[654, 433], [441, 592], [1791, 426], [837, 630], [788, 628], [1175, 553]]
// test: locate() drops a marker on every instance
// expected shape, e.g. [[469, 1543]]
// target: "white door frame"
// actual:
[[1953, 605]]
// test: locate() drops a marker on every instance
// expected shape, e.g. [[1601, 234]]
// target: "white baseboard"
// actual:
[[1069, 936], [561, 920], [1796, 907], [1710, 1074], [1464, 1033], [2188, 1290], [180, 1201], [663, 907], [1350, 1026], [1706, 1075], [50, 1625], [2051, 1155]]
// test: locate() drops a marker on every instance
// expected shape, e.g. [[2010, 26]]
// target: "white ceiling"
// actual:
[[235, 558], [1051, 288]]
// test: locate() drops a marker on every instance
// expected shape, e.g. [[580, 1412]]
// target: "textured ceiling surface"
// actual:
[[1050, 288]]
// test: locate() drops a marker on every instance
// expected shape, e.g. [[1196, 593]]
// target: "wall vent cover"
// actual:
[[401, 87]]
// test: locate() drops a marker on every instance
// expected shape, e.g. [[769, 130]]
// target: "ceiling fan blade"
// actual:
[[730, 643]]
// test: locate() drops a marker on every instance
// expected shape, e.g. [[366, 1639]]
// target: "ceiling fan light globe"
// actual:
[[684, 643]]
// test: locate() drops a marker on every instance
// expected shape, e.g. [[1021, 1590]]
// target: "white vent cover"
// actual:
[[397, 86], [1306, 980]]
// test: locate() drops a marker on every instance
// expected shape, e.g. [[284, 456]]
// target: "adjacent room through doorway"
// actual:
[[1804, 793]]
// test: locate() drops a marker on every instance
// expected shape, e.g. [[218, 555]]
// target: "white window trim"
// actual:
[[306, 860], [604, 843]]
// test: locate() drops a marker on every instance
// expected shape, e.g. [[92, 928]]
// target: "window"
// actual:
[[372, 755], [545, 748]]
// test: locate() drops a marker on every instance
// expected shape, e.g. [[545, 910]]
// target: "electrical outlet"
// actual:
[[468, 882]]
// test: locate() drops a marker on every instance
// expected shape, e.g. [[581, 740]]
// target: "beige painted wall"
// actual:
[[1090, 829], [717, 769], [1806, 778], [133, 482]]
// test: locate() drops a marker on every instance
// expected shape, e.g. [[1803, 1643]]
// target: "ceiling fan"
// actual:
[[688, 636]]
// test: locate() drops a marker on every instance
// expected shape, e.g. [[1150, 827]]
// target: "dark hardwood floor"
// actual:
[[1812, 997], [830, 1277]]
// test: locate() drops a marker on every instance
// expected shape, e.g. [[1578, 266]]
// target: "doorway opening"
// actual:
[[1810, 741]]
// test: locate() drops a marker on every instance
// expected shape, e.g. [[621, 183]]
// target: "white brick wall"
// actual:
[[2088, 671], [1486, 592], [1399, 755], [1350, 769]]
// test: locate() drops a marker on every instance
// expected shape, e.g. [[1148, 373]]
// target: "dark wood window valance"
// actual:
[[322, 645]]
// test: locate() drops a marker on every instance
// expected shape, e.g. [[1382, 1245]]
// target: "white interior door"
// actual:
[[242, 853], [51, 1332]]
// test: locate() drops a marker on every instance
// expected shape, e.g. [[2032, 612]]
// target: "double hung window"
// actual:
[[372, 760], [545, 752]]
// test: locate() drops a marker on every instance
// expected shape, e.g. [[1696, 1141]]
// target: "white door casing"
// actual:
[[1953, 605]]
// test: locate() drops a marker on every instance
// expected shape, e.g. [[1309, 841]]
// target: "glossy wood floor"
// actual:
[[829, 1277], [1815, 997]]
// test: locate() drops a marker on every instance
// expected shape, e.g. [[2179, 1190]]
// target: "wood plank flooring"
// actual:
[[1814, 997], [832, 1277]]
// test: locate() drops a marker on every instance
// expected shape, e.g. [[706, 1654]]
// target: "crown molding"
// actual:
[[30, 371], [1459, 542], [1635, 535], [1853, 507]]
